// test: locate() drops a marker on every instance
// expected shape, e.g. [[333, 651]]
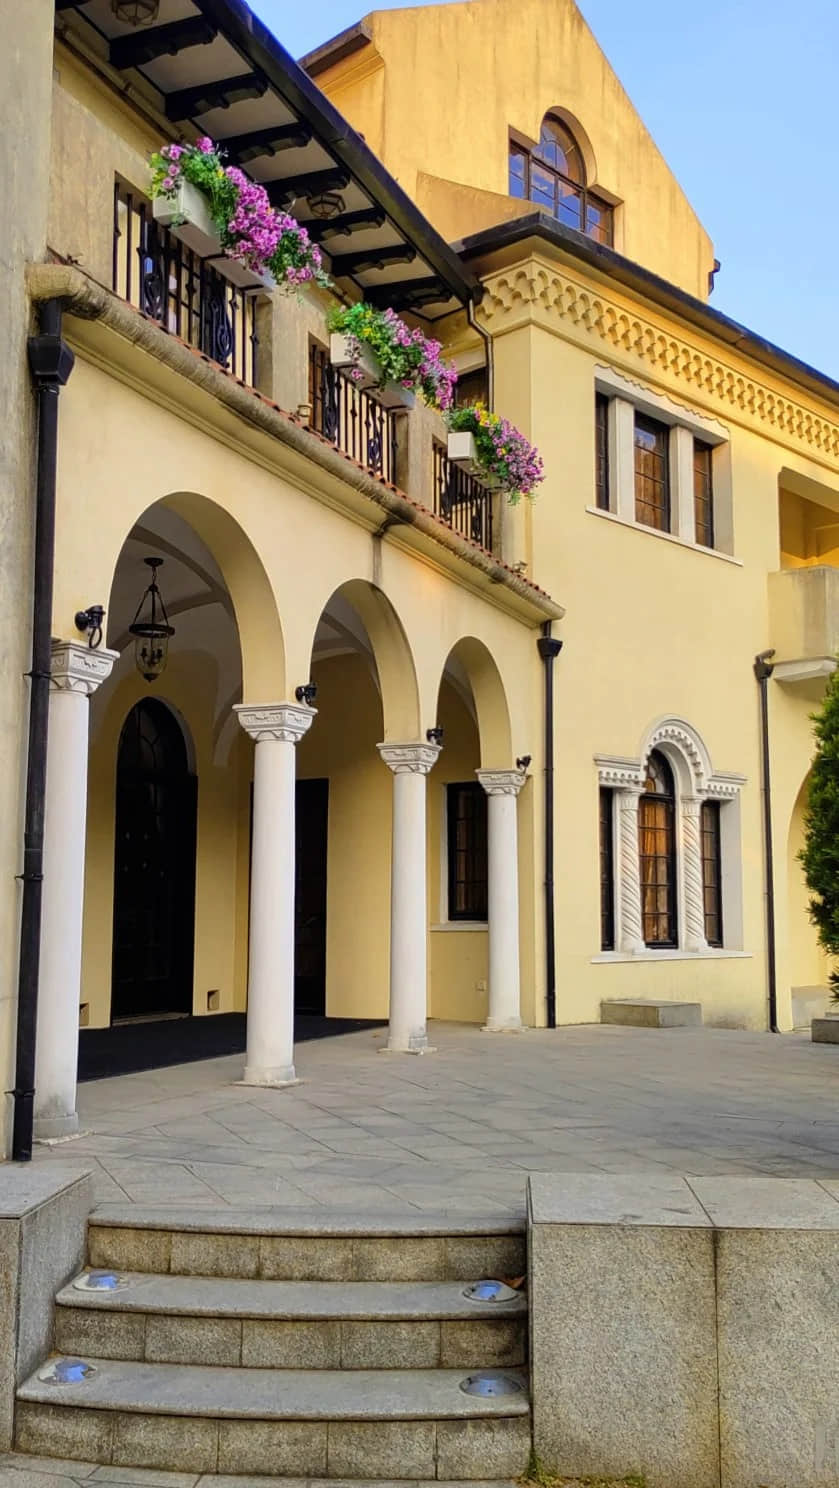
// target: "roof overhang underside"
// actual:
[[211, 67]]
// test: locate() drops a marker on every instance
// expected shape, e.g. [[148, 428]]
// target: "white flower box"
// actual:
[[187, 216], [461, 451], [389, 394]]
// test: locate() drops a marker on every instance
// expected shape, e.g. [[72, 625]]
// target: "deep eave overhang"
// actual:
[[544, 228], [195, 31]]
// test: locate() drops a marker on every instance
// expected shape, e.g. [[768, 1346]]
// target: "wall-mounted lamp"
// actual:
[[434, 735], [523, 761], [306, 693], [136, 12], [89, 621]]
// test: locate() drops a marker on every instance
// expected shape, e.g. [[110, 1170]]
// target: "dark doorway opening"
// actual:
[[311, 829], [154, 867]]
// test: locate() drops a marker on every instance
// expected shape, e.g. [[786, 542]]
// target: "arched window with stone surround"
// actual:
[[670, 849], [551, 172], [657, 853]]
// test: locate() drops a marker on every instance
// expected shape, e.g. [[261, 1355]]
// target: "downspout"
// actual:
[[487, 340], [763, 669], [549, 649], [50, 363]]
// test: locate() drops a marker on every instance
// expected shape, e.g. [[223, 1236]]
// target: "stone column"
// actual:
[[410, 764], [629, 879], [502, 788], [692, 861], [77, 671], [275, 729]]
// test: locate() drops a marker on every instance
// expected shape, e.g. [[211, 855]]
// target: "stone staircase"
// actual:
[[262, 1344]]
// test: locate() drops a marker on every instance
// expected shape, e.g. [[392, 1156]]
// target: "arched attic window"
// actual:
[[552, 174]]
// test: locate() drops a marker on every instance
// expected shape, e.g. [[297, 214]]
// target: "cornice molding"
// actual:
[[539, 291]]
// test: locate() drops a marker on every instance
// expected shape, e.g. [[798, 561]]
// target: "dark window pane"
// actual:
[[601, 461], [570, 205], [542, 186], [607, 873], [558, 147], [703, 493], [598, 220], [712, 872], [652, 476], [471, 388], [518, 172], [657, 853], [467, 833]]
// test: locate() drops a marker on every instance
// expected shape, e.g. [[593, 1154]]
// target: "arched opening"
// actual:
[[363, 669], [154, 866], [657, 853], [553, 172]]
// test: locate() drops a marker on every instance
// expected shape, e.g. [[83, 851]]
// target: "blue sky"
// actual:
[[741, 97]]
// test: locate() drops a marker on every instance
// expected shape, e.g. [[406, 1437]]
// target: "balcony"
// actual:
[[804, 623]]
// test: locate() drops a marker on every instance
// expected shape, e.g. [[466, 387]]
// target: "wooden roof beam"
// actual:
[[189, 103], [139, 47]]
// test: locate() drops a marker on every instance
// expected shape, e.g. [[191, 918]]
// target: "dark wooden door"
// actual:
[[311, 819], [154, 867]]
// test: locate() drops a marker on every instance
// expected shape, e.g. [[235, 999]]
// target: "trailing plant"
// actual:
[[820, 853], [405, 356], [251, 231], [503, 454]]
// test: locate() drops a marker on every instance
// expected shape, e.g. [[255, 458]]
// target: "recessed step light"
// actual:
[[66, 1372], [101, 1281], [491, 1383], [490, 1291]]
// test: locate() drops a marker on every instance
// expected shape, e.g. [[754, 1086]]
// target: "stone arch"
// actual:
[[581, 139], [684, 749], [475, 662], [252, 597], [392, 657]]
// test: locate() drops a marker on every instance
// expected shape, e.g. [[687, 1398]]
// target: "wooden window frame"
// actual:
[[607, 868], [601, 451], [647, 425], [478, 910], [703, 493], [669, 857], [711, 855], [519, 146]]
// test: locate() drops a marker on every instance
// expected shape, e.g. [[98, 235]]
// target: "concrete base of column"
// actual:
[[277, 1079], [509, 1025], [54, 1128], [418, 1048]]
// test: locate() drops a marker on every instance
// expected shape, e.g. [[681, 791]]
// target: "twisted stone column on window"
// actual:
[[629, 879], [692, 873]]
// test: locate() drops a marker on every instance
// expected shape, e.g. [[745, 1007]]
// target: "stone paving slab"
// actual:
[[18, 1471], [459, 1131]]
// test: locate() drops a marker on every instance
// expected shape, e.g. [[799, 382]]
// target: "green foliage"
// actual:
[[820, 854], [203, 169], [538, 1476]]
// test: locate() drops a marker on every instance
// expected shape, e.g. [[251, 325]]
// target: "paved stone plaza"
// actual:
[[458, 1131]]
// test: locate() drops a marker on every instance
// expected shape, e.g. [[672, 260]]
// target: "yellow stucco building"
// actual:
[[277, 822]]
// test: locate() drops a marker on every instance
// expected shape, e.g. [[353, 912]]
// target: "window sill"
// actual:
[[471, 926], [712, 954], [671, 537]]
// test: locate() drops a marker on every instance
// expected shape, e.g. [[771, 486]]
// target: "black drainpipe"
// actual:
[[763, 670], [50, 362], [549, 649]]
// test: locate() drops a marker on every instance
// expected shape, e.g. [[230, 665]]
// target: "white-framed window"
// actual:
[[670, 856], [661, 466]]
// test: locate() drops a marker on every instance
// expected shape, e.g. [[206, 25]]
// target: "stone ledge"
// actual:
[[825, 1030], [319, 1223], [650, 1012]]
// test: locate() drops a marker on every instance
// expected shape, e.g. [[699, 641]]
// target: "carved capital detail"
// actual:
[[502, 782], [284, 722], [409, 759], [76, 668]]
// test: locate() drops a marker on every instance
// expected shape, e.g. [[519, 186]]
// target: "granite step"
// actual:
[[289, 1325], [48, 1472], [317, 1245], [356, 1424]]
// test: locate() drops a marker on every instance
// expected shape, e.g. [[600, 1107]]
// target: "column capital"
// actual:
[[409, 759], [502, 782], [286, 722], [691, 806], [75, 667]]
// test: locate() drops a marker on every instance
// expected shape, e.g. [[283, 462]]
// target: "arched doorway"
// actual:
[[154, 867]]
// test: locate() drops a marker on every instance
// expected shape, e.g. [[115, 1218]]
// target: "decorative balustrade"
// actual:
[[461, 500], [166, 280], [349, 418]]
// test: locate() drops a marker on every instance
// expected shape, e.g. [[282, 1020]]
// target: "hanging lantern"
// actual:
[[136, 12], [151, 631]]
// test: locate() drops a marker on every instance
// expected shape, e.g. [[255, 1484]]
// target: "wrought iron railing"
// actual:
[[461, 500], [153, 270], [351, 419]]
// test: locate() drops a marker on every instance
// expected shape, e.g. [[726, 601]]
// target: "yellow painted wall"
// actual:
[[439, 87]]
